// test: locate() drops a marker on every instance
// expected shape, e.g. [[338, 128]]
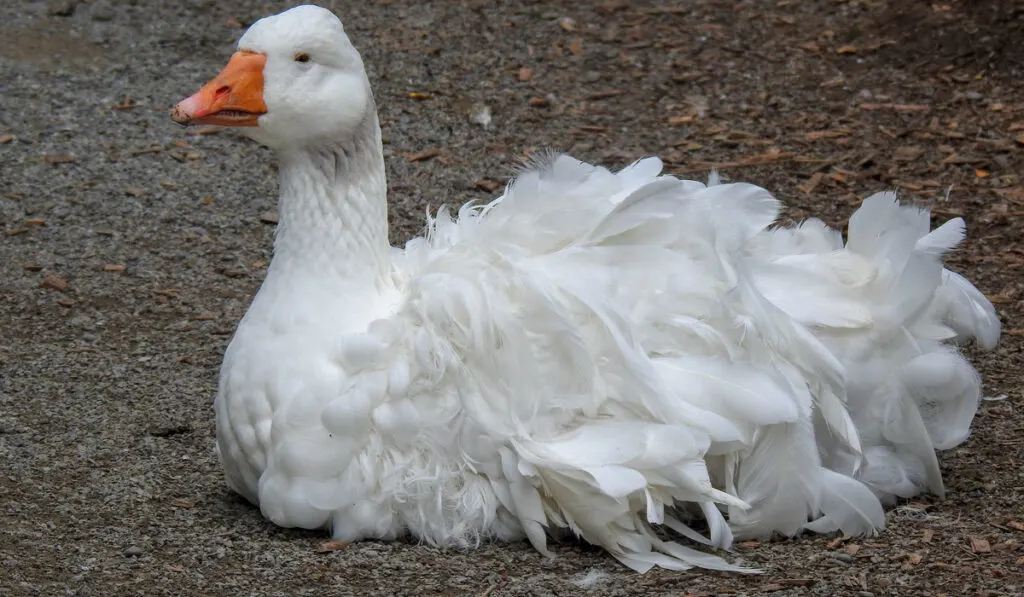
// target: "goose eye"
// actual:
[[302, 57]]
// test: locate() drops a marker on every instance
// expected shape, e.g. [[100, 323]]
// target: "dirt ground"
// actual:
[[131, 247]]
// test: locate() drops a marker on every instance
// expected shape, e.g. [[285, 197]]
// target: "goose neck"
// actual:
[[333, 217]]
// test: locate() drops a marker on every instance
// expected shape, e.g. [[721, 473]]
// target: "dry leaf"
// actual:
[[5, 139], [1013, 524], [576, 47], [525, 74], [567, 24], [537, 102], [426, 154], [981, 173], [914, 559], [416, 95], [678, 120], [852, 549], [329, 546], [32, 267], [926, 536], [54, 283], [979, 545], [847, 50], [66, 302], [111, 267], [35, 222], [135, 191], [749, 544], [182, 503]]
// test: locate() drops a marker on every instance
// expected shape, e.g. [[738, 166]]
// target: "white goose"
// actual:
[[595, 352]]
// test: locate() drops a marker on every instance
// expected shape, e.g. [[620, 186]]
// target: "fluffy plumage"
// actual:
[[598, 353]]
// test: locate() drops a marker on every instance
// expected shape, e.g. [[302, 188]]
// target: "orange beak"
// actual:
[[232, 98]]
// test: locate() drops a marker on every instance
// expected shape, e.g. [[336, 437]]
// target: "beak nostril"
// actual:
[[222, 90]]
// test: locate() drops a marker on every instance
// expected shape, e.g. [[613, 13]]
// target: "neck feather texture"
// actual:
[[333, 210]]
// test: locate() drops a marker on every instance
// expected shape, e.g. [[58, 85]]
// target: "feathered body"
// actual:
[[609, 352], [592, 352]]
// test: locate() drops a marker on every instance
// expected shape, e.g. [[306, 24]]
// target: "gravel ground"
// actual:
[[132, 247]]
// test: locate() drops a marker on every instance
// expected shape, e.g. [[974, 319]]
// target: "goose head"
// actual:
[[295, 80]]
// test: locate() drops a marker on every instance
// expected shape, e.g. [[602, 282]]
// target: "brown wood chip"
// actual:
[[183, 503], [426, 154], [600, 95], [979, 545], [114, 267], [897, 107], [678, 120], [329, 546], [486, 184], [59, 159], [54, 283]]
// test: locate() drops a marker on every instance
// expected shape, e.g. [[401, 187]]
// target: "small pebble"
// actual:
[[61, 8], [102, 11], [133, 552], [480, 114], [844, 557]]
